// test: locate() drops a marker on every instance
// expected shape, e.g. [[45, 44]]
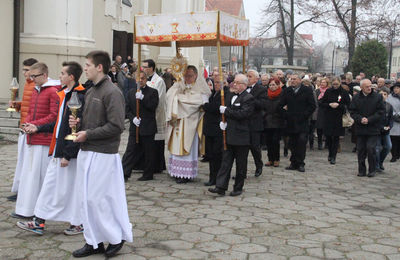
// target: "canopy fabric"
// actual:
[[194, 29]]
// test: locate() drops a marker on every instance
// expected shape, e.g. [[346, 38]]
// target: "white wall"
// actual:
[[6, 50]]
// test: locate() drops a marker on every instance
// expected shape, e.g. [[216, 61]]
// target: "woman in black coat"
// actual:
[[334, 102], [273, 122]]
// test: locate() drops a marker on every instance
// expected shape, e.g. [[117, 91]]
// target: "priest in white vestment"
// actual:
[[184, 122]]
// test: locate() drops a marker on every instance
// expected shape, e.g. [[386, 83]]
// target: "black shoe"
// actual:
[[382, 168], [301, 168], [145, 178], [329, 158], [235, 193], [209, 183], [371, 174], [182, 180], [88, 250], [112, 250], [285, 152], [393, 159], [354, 150], [219, 191], [378, 170], [291, 168], [361, 174], [333, 161], [258, 172], [12, 197], [205, 159], [15, 215]]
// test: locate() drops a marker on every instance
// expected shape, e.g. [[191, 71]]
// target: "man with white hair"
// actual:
[[381, 83], [239, 107], [367, 110], [265, 80], [256, 120]]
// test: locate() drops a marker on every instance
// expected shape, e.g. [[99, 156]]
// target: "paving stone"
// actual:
[[381, 249], [266, 256], [190, 254], [249, 248], [394, 257], [228, 255], [217, 230], [184, 228], [177, 244], [361, 255], [212, 246], [197, 237], [286, 250]]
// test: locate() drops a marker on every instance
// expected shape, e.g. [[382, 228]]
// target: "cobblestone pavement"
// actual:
[[325, 213]]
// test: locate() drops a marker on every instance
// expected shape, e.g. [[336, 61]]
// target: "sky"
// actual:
[[321, 35]]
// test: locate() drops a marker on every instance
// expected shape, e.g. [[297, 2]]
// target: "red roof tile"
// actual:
[[229, 6], [307, 36]]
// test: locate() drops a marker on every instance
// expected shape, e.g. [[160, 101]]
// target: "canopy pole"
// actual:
[[244, 59], [221, 79], [138, 87]]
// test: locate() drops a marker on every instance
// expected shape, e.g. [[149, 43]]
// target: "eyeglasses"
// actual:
[[35, 76]]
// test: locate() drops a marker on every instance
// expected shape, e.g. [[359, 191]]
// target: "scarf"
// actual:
[[274, 94], [322, 92]]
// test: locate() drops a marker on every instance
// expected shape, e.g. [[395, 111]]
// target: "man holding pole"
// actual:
[[238, 109], [156, 82], [148, 102]]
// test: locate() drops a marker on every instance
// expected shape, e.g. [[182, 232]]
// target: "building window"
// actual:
[[270, 61], [299, 62], [394, 61], [285, 62]]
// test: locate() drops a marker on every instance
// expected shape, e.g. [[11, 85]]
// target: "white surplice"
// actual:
[[101, 198], [57, 200], [33, 172], [22, 150]]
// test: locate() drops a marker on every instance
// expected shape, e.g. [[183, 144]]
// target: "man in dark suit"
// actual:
[[256, 121], [212, 132], [239, 107], [297, 105], [148, 102]]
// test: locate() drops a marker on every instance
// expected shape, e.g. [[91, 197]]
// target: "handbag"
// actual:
[[396, 117], [347, 121]]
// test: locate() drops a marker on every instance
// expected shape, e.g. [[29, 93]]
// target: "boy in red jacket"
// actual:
[[42, 110]]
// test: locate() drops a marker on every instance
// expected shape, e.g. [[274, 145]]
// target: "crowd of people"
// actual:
[[225, 116]]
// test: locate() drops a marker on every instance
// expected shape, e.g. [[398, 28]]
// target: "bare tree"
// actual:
[[284, 13], [362, 19]]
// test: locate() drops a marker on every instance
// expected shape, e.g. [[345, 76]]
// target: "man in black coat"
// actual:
[[297, 105], [212, 131], [239, 107], [256, 121], [367, 109], [148, 102]]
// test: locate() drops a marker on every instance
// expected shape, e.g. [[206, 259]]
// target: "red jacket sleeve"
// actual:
[[53, 100]]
